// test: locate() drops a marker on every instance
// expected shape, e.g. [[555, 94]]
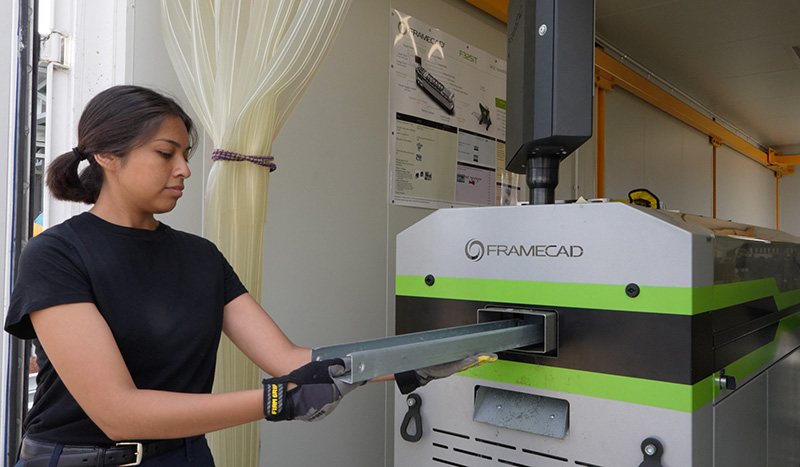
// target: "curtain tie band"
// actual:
[[263, 161], [78, 154]]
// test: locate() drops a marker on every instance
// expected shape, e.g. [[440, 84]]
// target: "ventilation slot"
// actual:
[[470, 453], [513, 464], [542, 454], [450, 433], [495, 443], [485, 452], [442, 461]]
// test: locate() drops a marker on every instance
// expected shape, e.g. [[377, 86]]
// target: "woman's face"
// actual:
[[151, 177]]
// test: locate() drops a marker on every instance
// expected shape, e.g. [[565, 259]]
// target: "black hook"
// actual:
[[414, 403], [652, 449]]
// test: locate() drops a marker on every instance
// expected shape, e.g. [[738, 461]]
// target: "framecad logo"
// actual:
[[474, 250], [403, 28], [477, 250]]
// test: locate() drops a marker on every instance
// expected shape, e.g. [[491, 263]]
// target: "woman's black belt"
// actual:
[[37, 453]]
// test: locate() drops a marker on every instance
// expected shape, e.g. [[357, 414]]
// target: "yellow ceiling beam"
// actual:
[[790, 159], [642, 88]]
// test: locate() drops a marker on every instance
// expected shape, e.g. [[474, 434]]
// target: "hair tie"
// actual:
[[263, 161], [78, 155]]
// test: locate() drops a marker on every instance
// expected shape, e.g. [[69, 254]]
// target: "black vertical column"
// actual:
[[549, 85]]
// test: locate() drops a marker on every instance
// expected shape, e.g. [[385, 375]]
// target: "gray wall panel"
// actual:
[[789, 215], [696, 188], [625, 143], [647, 148], [745, 189]]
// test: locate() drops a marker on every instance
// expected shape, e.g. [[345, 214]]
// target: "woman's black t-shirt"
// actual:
[[162, 293]]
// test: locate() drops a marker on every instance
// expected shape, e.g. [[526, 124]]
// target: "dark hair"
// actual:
[[115, 121]]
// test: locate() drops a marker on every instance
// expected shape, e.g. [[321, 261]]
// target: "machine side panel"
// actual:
[[783, 405], [740, 426]]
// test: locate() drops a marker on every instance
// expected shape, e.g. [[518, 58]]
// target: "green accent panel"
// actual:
[[755, 360], [787, 299], [670, 300], [500, 103], [680, 397], [667, 300], [726, 295]]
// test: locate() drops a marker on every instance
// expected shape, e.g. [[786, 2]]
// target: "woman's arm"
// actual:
[[83, 351], [252, 330]]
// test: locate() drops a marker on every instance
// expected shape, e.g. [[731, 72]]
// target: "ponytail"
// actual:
[[65, 183]]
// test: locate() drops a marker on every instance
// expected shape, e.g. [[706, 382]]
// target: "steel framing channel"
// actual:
[[379, 357]]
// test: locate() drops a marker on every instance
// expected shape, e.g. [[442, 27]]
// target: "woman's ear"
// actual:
[[107, 161]]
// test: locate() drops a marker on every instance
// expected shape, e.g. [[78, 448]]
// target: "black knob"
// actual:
[[632, 290], [726, 381], [429, 280], [729, 382]]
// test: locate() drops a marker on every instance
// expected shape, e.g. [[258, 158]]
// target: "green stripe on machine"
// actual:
[[756, 360], [673, 396], [667, 300], [680, 397]]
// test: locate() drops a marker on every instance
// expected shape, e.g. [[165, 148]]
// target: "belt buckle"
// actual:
[[139, 450]]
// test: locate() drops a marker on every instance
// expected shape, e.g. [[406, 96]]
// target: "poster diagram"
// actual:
[[447, 119]]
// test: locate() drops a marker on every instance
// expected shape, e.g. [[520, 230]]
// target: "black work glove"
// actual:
[[408, 381], [319, 389]]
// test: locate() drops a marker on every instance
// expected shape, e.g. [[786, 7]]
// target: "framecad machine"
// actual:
[[627, 336]]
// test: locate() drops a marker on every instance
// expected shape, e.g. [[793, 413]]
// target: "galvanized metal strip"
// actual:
[[375, 362], [343, 350]]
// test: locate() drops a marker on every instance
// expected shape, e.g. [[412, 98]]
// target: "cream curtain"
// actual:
[[244, 65]]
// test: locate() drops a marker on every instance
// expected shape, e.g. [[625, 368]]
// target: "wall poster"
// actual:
[[447, 121]]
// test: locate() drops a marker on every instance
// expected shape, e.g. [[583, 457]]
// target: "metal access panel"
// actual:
[[672, 330], [782, 406]]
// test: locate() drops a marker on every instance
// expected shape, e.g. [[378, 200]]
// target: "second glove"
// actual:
[[408, 381]]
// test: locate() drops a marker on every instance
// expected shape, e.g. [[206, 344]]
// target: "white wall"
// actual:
[[745, 190], [789, 199], [646, 148]]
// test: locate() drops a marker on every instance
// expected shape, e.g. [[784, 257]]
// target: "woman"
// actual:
[[127, 312]]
